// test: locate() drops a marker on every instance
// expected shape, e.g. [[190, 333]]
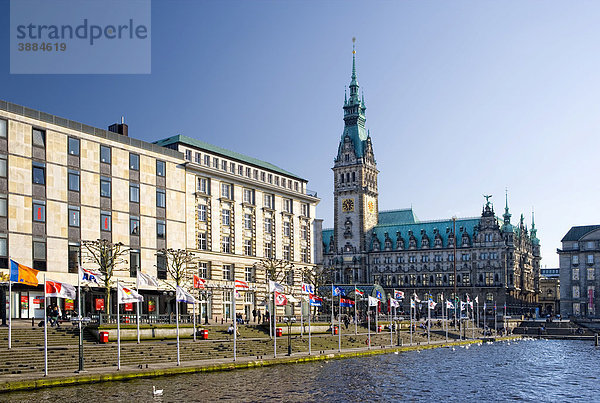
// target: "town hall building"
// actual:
[[496, 261]]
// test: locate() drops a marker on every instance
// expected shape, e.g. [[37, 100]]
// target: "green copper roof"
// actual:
[[576, 233], [444, 228], [327, 233], [402, 216], [224, 152]]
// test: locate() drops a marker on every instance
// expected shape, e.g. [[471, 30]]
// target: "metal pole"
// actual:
[[391, 331], [495, 319], [355, 317], [332, 309], [275, 327], [118, 330], [45, 331], [137, 305], [411, 321], [428, 321], [194, 321], [446, 321], [177, 325], [473, 322], [10, 312], [234, 325], [454, 264], [369, 326], [309, 331], [80, 319], [340, 326]]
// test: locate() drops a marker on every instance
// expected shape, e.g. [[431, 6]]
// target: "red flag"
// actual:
[[241, 284], [280, 299], [199, 282]]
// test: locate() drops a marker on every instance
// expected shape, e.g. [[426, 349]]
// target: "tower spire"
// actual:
[[506, 224]]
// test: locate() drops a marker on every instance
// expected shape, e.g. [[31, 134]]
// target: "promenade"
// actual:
[[22, 367]]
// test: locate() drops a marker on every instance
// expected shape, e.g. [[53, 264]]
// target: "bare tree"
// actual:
[[109, 257], [275, 269], [318, 276], [178, 265]]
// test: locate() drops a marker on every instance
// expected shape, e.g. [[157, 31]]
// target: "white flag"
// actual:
[[147, 280], [373, 301], [91, 276], [273, 286], [394, 303], [462, 306], [477, 300], [184, 296], [432, 304], [60, 290], [127, 295], [449, 305]]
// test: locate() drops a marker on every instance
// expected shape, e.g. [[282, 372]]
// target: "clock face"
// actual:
[[371, 206], [348, 205]]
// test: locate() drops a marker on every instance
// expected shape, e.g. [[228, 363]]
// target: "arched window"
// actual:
[[496, 278], [342, 178], [430, 279], [353, 176], [458, 278], [445, 278], [405, 279], [418, 279], [481, 278]]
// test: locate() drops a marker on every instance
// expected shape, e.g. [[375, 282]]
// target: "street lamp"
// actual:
[[289, 320]]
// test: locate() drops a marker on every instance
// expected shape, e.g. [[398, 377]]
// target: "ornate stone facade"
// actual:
[[496, 261]]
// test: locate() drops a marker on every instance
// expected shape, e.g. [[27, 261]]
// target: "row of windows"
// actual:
[[591, 274], [241, 170], [249, 197], [589, 259], [465, 257], [437, 279]]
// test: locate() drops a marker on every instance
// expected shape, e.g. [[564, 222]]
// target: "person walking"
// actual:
[[55, 315], [254, 315], [49, 315]]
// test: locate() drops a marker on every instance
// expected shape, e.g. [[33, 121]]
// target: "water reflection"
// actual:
[[525, 370]]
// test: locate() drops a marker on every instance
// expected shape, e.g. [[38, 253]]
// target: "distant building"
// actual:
[[496, 261], [549, 298], [578, 261]]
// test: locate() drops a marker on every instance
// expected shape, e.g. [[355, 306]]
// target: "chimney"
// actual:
[[120, 128]]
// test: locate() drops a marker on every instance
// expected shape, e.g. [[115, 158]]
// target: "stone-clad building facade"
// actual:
[[495, 260], [62, 182], [579, 273]]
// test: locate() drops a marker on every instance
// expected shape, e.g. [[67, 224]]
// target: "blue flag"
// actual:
[[378, 294], [338, 291]]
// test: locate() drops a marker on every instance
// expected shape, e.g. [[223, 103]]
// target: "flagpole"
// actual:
[[484, 316], [177, 324], [274, 326], [391, 333], [45, 332], [309, 329], [340, 325], [332, 309], [194, 321], [80, 317], [411, 321], [428, 320], [10, 311], [473, 322], [355, 319], [377, 317], [118, 330], [369, 324], [446, 321], [302, 315], [137, 305], [477, 303], [495, 319], [271, 314], [234, 325]]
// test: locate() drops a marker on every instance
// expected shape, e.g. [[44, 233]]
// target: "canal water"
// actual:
[[528, 370]]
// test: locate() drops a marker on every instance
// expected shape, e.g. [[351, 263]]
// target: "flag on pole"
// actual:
[[199, 282], [338, 291], [308, 289], [127, 295], [377, 294], [432, 304], [494, 305], [147, 280], [346, 302], [60, 290], [468, 299], [417, 298], [91, 276], [412, 303], [394, 303], [22, 274], [484, 306], [359, 292], [315, 300], [280, 299], [241, 285], [477, 299], [398, 294], [471, 304], [449, 305], [462, 306], [273, 286], [373, 301], [184, 296]]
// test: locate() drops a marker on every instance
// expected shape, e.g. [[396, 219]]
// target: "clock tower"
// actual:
[[355, 189]]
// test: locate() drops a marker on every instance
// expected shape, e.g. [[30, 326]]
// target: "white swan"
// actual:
[[156, 392]]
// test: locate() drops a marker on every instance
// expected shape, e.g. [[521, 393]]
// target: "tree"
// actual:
[[275, 269], [178, 265], [109, 258], [318, 276]]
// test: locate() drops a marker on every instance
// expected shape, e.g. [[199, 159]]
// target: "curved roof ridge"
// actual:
[[429, 222], [578, 232]]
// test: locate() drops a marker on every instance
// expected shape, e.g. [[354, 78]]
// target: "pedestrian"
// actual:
[[258, 314], [55, 315], [49, 315], [254, 314]]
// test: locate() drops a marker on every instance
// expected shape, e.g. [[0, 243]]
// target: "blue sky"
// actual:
[[463, 97]]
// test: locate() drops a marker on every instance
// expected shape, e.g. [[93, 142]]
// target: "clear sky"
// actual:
[[463, 97]]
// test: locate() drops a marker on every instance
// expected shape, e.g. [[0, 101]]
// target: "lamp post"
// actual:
[[289, 319]]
